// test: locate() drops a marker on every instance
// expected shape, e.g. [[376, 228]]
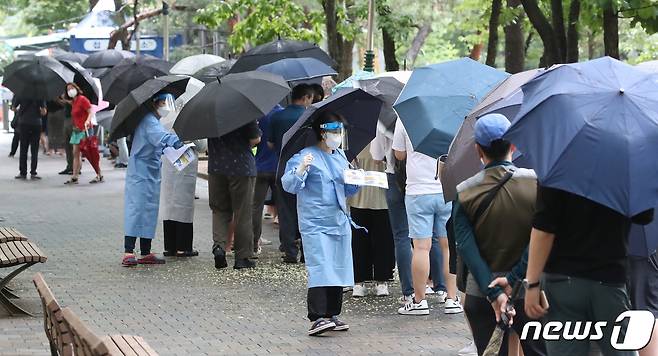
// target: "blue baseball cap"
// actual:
[[489, 128]]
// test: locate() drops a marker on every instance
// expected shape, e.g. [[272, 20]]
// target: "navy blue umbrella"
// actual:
[[293, 69], [360, 109], [437, 98], [643, 240], [591, 129]]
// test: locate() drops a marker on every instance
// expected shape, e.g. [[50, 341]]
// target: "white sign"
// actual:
[[147, 44], [365, 178], [181, 157]]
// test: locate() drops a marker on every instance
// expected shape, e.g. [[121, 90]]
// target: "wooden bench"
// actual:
[[10, 234], [21, 253], [58, 334], [87, 343]]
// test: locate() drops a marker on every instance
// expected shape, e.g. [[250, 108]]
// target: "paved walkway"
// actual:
[[185, 307]]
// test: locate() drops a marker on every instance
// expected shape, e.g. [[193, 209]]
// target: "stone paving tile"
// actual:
[[184, 307]]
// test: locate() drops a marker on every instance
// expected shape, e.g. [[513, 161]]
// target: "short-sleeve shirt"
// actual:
[[29, 111], [421, 169], [266, 159], [80, 111], [231, 154], [281, 122]]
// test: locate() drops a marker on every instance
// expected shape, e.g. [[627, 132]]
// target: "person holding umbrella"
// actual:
[[81, 114], [142, 196], [315, 176], [29, 113]]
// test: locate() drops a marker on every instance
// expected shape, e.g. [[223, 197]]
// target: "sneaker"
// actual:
[[120, 165], [359, 290], [468, 350], [405, 299], [320, 326], [381, 289], [413, 308], [244, 263], [340, 326], [265, 242], [151, 259], [35, 177], [429, 290], [66, 172], [453, 307], [267, 216], [220, 258], [289, 259], [442, 296], [21, 177]]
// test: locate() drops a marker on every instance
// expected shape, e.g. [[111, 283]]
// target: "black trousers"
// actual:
[[286, 205], [30, 135], [264, 181], [482, 320], [15, 141], [144, 245], [324, 302], [178, 236], [373, 252]]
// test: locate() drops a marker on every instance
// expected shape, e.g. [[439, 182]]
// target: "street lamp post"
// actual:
[[369, 65], [165, 31]]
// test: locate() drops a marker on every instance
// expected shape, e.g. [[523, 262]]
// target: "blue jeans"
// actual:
[[436, 265], [397, 213]]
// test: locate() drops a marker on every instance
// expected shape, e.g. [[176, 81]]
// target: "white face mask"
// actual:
[[333, 140], [72, 93], [163, 111]]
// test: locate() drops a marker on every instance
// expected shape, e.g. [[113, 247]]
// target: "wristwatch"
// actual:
[[527, 285]]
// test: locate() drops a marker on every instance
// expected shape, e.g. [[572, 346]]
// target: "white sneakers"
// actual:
[[442, 296], [412, 308], [361, 290], [405, 299], [468, 350], [452, 307]]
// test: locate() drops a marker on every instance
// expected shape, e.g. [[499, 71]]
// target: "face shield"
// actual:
[[335, 135], [164, 104]]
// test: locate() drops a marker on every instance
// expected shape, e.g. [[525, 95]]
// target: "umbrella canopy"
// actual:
[[650, 66], [463, 161], [40, 78], [194, 86], [129, 74], [104, 119], [99, 72], [230, 103], [132, 109], [591, 129], [279, 49], [386, 87], [643, 240], [352, 80], [106, 58], [192, 64], [360, 109], [438, 97], [72, 57], [293, 69], [83, 78], [211, 73]]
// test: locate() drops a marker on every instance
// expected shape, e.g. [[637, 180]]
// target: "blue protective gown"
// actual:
[[322, 214], [142, 197]]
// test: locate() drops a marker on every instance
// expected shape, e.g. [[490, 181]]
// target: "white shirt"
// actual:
[[380, 148], [421, 169]]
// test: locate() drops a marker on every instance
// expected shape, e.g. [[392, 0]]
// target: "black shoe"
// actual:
[[220, 258], [66, 172], [20, 176], [244, 263], [169, 253], [120, 165], [11, 155], [34, 177], [289, 259], [192, 253]]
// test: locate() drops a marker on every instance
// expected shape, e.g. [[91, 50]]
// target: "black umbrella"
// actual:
[[129, 74], [106, 58], [132, 109], [360, 109], [230, 103], [280, 49], [99, 72], [211, 73], [39, 78], [84, 80], [72, 57]]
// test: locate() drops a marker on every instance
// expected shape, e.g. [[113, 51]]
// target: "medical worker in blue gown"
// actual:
[[315, 175], [142, 197]]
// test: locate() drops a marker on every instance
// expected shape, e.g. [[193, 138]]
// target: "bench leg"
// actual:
[[11, 307], [8, 292]]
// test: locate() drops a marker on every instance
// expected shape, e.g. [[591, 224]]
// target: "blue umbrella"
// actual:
[[437, 98], [591, 129], [643, 240], [351, 81], [293, 69]]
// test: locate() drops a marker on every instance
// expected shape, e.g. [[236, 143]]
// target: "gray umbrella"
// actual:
[[37, 77], [463, 161], [192, 64], [72, 57], [84, 79], [386, 87], [230, 103]]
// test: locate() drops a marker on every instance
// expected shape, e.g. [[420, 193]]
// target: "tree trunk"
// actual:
[[610, 31], [557, 17], [540, 23], [122, 34], [390, 60], [515, 43], [492, 44], [334, 39], [572, 32], [418, 42], [590, 45]]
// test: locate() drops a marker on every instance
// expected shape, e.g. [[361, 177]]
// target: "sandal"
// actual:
[[97, 179], [129, 261], [72, 181]]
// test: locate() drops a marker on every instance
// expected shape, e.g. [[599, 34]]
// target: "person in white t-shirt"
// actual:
[[427, 214]]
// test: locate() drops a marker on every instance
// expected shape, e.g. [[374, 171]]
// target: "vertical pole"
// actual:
[[5, 114], [369, 64], [215, 42], [202, 39], [137, 41], [165, 31]]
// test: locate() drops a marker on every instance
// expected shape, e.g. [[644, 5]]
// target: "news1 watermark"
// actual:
[[638, 331]]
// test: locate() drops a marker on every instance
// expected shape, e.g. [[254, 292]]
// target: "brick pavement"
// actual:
[[185, 307]]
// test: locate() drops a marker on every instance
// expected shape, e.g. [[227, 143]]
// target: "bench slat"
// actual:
[[37, 251], [4, 260], [17, 253], [31, 248], [136, 345], [28, 255], [123, 345], [8, 253], [149, 350]]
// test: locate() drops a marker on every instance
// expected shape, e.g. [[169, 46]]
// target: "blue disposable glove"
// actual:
[[178, 144]]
